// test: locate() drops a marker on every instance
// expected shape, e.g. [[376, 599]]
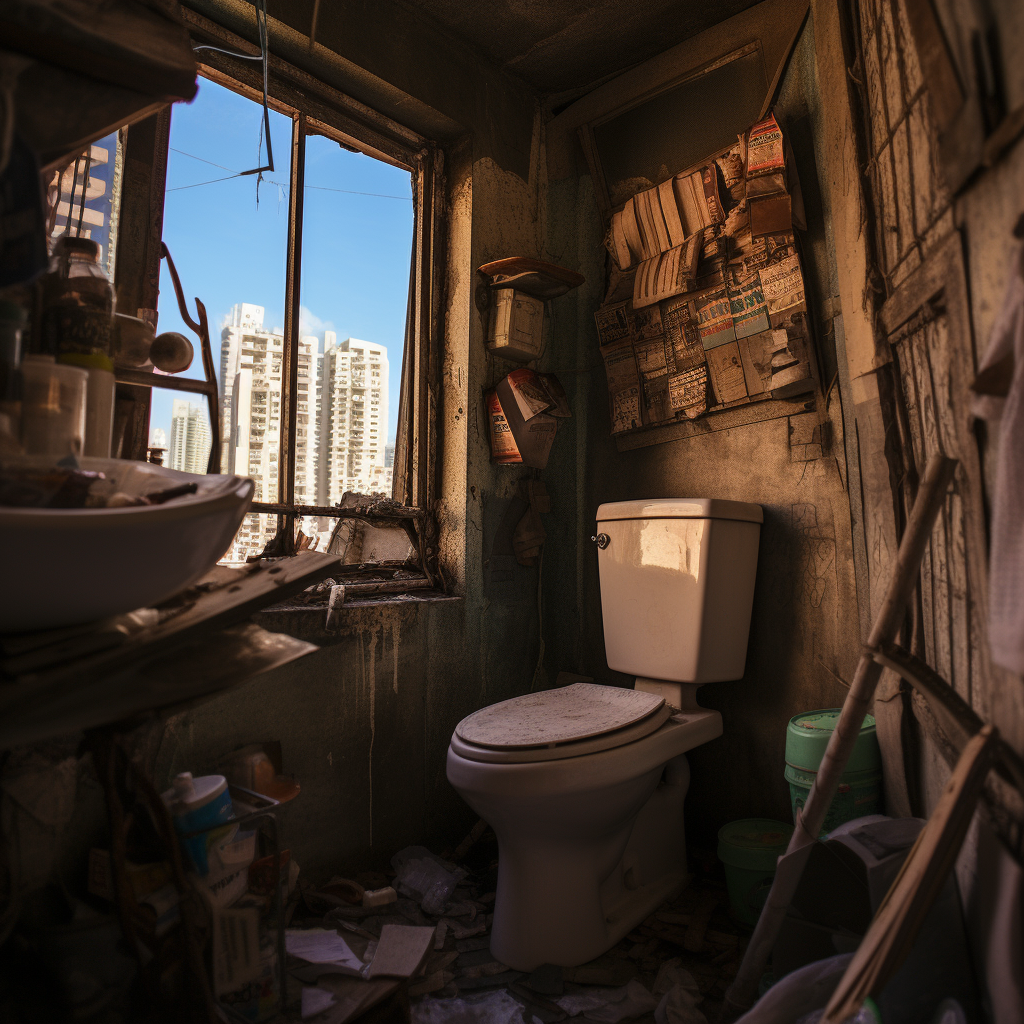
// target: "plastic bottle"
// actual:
[[12, 324], [77, 324]]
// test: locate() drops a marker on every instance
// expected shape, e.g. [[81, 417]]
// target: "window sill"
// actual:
[[308, 622]]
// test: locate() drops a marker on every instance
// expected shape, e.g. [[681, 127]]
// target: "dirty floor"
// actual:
[[691, 942]]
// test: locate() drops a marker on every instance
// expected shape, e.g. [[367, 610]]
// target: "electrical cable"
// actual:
[[230, 53]]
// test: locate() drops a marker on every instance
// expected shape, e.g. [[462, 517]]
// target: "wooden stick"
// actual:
[[930, 499], [901, 914], [950, 722], [955, 716]]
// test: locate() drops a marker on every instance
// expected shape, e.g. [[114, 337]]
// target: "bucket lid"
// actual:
[[188, 793], [753, 843], [808, 733], [680, 508]]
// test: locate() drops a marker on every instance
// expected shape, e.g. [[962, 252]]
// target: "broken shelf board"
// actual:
[[192, 652], [38, 708], [222, 598]]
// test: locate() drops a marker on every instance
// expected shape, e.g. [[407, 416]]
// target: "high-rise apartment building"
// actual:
[[190, 437], [255, 434], [244, 321], [353, 416]]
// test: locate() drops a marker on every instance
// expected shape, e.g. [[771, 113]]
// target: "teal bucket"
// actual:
[[750, 849], [860, 786]]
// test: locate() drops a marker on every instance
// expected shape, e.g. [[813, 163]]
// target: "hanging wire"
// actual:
[[261, 24], [264, 55]]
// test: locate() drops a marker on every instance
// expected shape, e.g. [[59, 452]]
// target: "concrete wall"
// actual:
[[804, 635]]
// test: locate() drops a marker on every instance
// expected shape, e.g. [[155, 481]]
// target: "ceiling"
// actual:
[[561, 45]]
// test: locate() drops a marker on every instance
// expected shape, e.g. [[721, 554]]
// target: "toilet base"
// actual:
[[568, 905]]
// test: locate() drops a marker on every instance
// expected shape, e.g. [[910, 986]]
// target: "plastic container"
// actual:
[[750, 849], [53, 406], [99, 402], [201, 803], [860, 787]]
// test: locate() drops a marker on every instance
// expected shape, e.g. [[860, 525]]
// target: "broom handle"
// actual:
[[930, 499]]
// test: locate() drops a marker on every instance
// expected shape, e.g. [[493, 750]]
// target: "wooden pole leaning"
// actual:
[[930, 498]]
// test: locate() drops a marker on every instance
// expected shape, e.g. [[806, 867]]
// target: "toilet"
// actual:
[[584, 785]]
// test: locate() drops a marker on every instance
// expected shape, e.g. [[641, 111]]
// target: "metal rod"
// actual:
[[290, 354], [85, 188], [930, 498], [334, 512], [201, 329], [171, 383], [71, 206]]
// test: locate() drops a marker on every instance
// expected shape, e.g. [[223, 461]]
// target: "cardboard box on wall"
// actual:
[[517, 325]]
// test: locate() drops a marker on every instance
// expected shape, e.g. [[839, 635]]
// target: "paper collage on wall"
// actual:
[[705, 306]]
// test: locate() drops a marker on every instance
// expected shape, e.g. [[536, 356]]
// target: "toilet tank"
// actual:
[[677, 586]]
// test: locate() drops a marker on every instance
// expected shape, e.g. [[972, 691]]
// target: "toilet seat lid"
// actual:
[[552, 717]]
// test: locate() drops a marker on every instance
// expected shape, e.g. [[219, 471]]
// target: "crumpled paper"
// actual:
[[609, 1005], [496, 1007]]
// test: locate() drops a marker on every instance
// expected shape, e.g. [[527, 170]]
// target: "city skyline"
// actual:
[[356, 239], [341, 418]]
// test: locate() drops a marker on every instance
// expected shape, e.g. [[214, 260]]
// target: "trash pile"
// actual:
[[672, 969]]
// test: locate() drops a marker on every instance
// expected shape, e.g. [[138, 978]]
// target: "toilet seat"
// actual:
[[551, 725]]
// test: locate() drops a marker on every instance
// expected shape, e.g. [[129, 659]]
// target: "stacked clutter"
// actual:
[[671, 969], [524, 407], [705, 307], [523, 411]]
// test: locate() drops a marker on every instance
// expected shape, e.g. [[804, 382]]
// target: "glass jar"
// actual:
[[78, 301]]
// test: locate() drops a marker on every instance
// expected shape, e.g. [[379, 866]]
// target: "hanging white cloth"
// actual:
[[1006, 568]]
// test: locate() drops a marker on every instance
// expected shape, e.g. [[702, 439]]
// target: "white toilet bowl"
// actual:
[[590, 842], [584, 786]]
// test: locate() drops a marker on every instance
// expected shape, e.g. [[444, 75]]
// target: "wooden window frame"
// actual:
[[316, 108]]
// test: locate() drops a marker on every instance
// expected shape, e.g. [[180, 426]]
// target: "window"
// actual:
[[320, 286]]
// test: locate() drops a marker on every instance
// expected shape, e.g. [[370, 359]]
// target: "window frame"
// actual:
[[314, 107]]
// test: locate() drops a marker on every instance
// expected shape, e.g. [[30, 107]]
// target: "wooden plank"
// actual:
[[901, 914], [924, 284], [934, 484], [944, 90]]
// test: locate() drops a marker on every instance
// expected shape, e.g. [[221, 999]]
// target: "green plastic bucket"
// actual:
[[749, 849], [860, 786]]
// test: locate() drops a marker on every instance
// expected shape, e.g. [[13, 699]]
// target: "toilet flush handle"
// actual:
[[602, 540]]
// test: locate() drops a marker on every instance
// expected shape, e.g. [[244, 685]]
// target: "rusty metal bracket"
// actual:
[[208, 386]]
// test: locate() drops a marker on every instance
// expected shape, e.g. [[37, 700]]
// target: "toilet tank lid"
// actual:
[[681, 508]]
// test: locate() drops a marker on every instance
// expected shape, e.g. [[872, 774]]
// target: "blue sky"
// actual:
[[228, 249]]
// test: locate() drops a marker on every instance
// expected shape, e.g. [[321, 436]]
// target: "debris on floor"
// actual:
[[673, 968]]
